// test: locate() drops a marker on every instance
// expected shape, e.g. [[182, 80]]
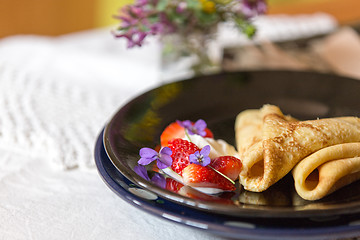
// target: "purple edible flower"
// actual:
[[142, 172], [157, 179], [197, 128], [163, 158], [201, 158]]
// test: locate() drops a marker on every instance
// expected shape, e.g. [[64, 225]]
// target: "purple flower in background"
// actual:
[[136, 39], [162, 17], [157, 28], [252, 8], [157, 179], [181, 7], [163, 158], [134, 24], [168, 26], [141, 3], [197, 128], [201, 158]]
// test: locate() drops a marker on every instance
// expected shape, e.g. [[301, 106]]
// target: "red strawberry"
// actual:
[[195, 194], [176, 187], [173, 185], [181, 149], [209, 133], [228, 165], [174, 130], [196, 175]]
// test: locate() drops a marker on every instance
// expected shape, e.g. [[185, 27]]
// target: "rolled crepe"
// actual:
[[271, 144], [327, 170]]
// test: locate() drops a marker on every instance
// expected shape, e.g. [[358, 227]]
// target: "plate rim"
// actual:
[[215, 228], [209, 206]]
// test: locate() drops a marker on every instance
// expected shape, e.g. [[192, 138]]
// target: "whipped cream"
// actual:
[[218, 147], [178, 178]]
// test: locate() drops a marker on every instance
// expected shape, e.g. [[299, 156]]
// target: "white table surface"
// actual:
[[56, 94]]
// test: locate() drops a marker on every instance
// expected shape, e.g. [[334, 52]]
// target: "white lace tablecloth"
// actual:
[[56, 94]]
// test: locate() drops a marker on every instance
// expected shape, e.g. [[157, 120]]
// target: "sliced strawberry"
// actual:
[[176, 187], [173, 185], [174, 130], [195, 175], [228, 165], [181, 149], [195, 194], [209, 133]]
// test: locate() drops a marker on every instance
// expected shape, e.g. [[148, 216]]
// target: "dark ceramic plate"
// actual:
[[227, 226], [218, 99]]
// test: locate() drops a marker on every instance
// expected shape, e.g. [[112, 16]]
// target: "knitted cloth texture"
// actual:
[[56, 97]]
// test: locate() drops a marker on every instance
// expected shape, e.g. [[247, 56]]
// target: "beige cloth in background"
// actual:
[[341, 51], [338, 53]]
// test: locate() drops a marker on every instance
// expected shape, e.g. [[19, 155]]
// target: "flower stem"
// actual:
[[187, 135], [222, 174], [174, 175]]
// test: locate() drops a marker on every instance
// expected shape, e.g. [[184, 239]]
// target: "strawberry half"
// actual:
[[181, 149], [173, 185], [174, 130], [195, 175], [227, 165], [176, 187]]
